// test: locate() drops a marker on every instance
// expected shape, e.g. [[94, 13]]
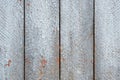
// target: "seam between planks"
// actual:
[[24, 34], [93, 39], [59, 39]]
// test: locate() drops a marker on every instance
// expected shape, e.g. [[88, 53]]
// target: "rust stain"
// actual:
[[9, 63], [61, 50], [27, 61], [58, 60], [41, 75], [43, 62]]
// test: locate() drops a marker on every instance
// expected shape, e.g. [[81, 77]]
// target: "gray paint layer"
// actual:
[[42, 40], [76, 40], [107, 39], [11, 40]]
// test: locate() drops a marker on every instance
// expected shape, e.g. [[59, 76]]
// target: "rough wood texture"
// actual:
[[11, 40], [76, 40], [42, 40], [107, 39]]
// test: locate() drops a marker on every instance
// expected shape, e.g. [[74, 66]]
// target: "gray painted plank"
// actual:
[[76, 40], [107, 39], [11, 40], [42, 40]]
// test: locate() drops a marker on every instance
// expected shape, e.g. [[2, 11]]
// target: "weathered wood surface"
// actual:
[[11, 40], [76, 39], [107, 39], [42, 40]]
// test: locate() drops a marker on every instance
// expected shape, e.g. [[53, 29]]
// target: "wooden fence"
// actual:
[[59, 39]]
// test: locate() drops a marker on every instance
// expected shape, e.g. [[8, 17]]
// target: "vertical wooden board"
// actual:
[[107, 39], [11, 40], [76, 39], [42, 40]]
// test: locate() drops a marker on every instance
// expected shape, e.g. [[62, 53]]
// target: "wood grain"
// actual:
[[42, 40], [11, 40], [107, 39], [76, 39]]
